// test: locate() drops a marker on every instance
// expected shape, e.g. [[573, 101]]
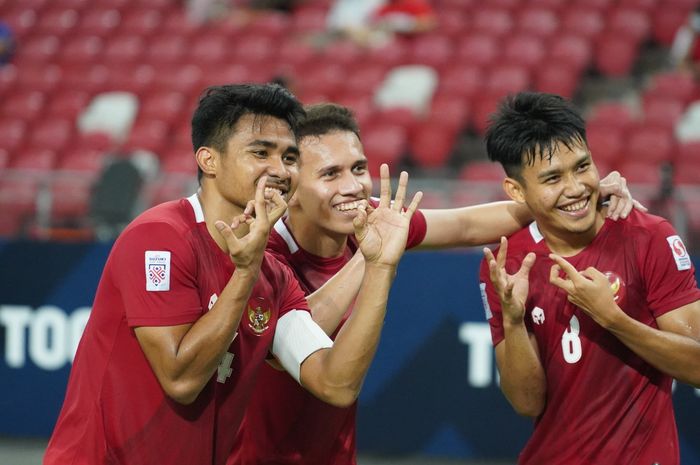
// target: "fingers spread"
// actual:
[[401, 192], [384, 186]]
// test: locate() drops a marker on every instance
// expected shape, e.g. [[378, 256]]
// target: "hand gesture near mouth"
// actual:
[[260, 215], [382, 233]]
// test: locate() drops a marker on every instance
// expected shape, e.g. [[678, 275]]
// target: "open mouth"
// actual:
[[349, 207], [578, 208], [281, 190]]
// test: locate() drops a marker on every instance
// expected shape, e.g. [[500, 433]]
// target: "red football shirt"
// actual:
[[284, 423], [605, 405], [164, 269]]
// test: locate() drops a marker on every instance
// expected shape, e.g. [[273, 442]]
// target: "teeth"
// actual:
[[348, 206], [274, 189], [575, 206]]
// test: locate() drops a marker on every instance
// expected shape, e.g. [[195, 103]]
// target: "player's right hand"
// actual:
[[512, 289], [246, 252]]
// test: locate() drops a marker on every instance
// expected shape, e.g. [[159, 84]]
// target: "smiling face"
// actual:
[[562, 193], [260, 145], [333, 178]]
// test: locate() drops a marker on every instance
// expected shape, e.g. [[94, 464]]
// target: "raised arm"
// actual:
[[486, 223], [185, 357], [522, 376], [335, 375], [330, 302]]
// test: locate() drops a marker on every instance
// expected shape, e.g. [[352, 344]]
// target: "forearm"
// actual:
[[345, 365], [674, 354], [522, 377], [332, 300], [474, 225], [203, 346]]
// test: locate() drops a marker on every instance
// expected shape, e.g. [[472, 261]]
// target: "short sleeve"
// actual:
[[417, 228], [491, 303], [155, 271], [668, 271], [292, 296]]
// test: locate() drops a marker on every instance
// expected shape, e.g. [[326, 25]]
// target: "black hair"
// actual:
[[220, 108], [530, 125], [322, 118]]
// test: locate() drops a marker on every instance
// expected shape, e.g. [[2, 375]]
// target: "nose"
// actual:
[[277, 169], [574, 187], [350, 185]]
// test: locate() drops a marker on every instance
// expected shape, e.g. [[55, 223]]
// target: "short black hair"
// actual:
[[529, 125], [220, 108], [322, 118]]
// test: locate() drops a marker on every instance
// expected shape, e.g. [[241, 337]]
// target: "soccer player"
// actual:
[[285, 424], [591, 319], [189, 303]]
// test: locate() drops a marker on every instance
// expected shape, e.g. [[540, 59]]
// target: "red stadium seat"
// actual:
[[165, 50], [573, 50], [344, 52], [484, 106], [383, 143], [690, 152], [18, 195], [478, 49], [141, 22], [483, 171], [4, 159], [365, 79], [254, 50], [665, 23], [41, 78], [584, 21], [81, 49], [169, 187], [507, 79], [24, 104], [323, 79], [38, 49], [35, 162], [179, 78], [392, 54], [208, 50], [67, 104], [615, 55], [449, 112], [662, 112], [135, 78], [431, 145], [557, 78], [179, 162], [453, 22], [56, 21], [20, 20], [270, 24], [151, 135], [85, 161], [90, 78], [641, 173], [523, 50], [309, 19], [606, 143], [398, 116], [70, 197], [52, 133], [675, 85], [650, 144], [461, 80], [165, 105], [612, 114], [538, 21], [492, 21], [13, 132], [686, 172], [122, 49], [101, 21], [629, 22], [432, 50], [176, 22]]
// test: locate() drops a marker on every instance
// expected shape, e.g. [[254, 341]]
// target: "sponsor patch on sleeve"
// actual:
[[680, 253], [485, 301], [157, 270]]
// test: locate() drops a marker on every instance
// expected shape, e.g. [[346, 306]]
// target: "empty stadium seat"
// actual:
[[431, 144], [478, 49], [573, 50], [538, 21], [615, 54], [649, 144]]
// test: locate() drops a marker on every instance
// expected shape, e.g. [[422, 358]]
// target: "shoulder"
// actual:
[[281, 241], [641, 225], [165, 225]]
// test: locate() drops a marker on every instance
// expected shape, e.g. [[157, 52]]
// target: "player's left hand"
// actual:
[[614, 185], [382, 233], [588, 289]]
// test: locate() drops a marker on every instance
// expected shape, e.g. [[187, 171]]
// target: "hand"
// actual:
[[246, 252], [512, 289], [621, 202], [382, 233], [589, 290]]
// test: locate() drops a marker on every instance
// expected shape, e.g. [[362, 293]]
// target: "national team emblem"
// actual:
[[538, 315], [258, 319], [617, 285], [680, 253]]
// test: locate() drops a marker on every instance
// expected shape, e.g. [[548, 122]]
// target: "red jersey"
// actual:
[[284, 423], [605, 405], [165, 269]]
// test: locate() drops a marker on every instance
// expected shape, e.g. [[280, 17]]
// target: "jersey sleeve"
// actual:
[[155, 274], [292, 296], [668, 272], [491, 303]]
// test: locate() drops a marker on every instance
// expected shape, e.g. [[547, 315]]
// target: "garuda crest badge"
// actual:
[[258, 319]]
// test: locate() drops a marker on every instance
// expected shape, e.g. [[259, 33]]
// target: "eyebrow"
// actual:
[[271, 145], [582, 159]]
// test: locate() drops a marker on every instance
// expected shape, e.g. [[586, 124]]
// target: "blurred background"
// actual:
[[95, 104]]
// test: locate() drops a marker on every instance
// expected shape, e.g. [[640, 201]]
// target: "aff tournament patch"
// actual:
[[157, 270], [485, 300], [680, 253]]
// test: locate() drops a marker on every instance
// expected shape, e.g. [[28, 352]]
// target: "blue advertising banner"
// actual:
[[432, 389]]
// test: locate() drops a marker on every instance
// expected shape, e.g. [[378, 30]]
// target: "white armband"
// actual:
[[297, 336]]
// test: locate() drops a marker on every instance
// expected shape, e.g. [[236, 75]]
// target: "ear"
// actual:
[[207, 159], [514, 189]]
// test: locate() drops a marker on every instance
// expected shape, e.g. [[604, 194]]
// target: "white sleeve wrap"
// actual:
[[297, 336]]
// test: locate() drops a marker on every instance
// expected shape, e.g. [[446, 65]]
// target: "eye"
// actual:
[[329, 174], [584, 166], [551, 179], [359, 169], [290, 158], [260, 153]]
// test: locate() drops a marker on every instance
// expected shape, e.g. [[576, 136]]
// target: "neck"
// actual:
[[314, 239], [216, 208], [567, 243]]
